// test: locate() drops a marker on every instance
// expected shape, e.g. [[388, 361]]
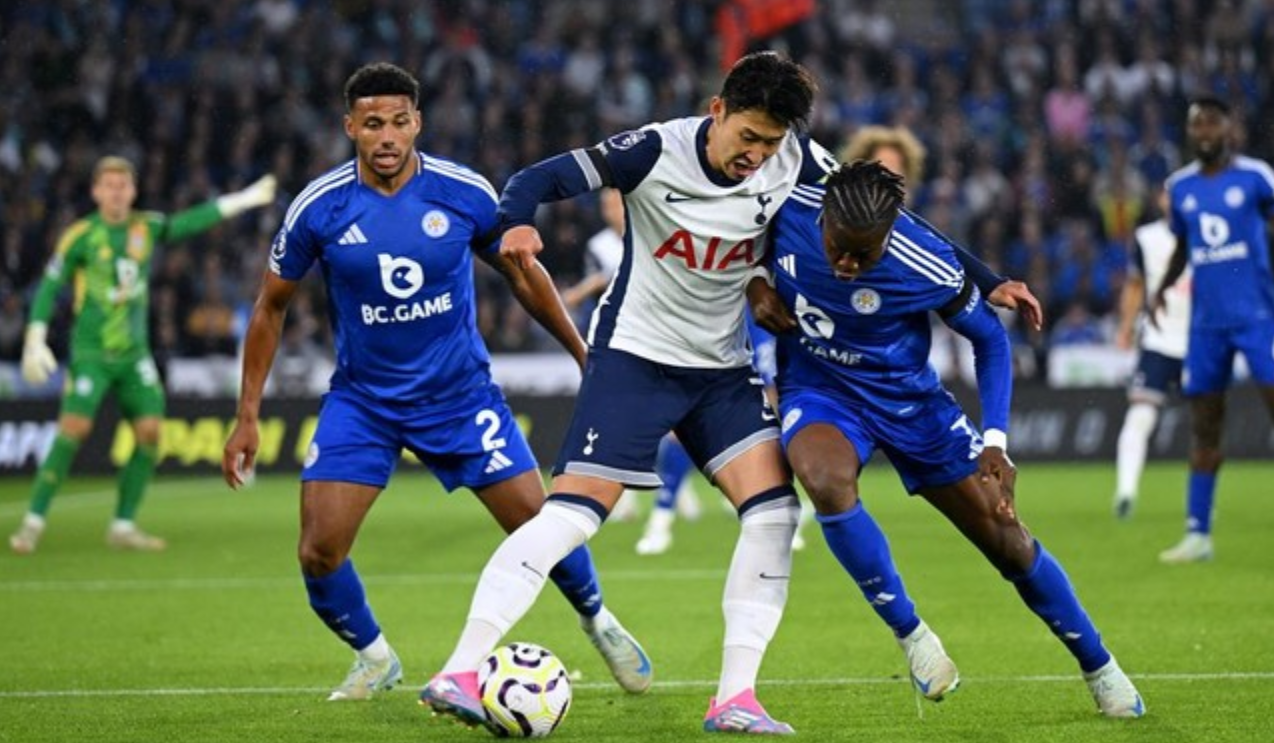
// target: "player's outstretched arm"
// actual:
[[1016, 295], [590, 286], [260, 193], [261, 343], [534, 290], [209, 214], [993, 365]]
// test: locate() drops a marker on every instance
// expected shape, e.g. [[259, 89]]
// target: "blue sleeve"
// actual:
[[486, 223], [622, 161], [981, 274], [992, 358], [559, 177], [294, 248]]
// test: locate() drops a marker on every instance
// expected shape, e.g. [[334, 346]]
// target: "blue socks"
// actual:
[[339, 601], [576, 577], [672, 465], [861, 547], [1048, 592], [1199, 502]]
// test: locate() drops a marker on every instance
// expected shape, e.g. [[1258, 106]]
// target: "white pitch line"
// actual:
[[596, 685], [223, 584]]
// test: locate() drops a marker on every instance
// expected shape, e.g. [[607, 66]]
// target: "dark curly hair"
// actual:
[[770, 82], [380, 78], [863, 195]]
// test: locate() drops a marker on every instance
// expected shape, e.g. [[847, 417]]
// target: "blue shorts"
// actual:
[[1156, 377], [626, 404], [473, 445], [932, 446], [1209, 363]]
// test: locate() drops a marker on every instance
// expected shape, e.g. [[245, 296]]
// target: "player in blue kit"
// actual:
[[855, 277], [394, 232], [669, 351], [1221, 205]]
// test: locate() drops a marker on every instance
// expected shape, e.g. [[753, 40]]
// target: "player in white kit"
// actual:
[[668, 352], [1161, 348]]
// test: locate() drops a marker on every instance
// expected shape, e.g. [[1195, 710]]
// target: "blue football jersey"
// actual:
[[399, 275], [1223, 219], [868, 338]]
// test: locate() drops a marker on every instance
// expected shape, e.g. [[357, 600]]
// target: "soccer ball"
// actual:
[[525, 690]]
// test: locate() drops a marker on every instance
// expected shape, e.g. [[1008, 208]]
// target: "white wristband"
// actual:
[[994, 437]]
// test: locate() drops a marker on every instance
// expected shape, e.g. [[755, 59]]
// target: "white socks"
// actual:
[[377, 652], [756, 592], [1134, 438], [514, 576]]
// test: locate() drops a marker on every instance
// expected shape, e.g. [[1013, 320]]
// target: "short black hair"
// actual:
[[770, 82], [1213, 102], [863, 195], [380, 78]]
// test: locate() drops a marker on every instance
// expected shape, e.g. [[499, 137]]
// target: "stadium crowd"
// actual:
[[1047, 123]]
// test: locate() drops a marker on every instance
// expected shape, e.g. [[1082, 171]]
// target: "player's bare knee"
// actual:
[[1206, 458], [77, 428], [829, 489], [318, 559], [1011, 548], [147, 433]]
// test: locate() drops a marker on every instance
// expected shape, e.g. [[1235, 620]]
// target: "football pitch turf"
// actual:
[[213, 640]]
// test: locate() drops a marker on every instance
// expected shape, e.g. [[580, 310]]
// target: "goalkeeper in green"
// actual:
[[107, 257]]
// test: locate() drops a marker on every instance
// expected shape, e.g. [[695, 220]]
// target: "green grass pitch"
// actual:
[[213, 640]]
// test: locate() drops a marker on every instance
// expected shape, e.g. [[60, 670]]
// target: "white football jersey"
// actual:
[[692, 239], [605, 251], [1154, 244]]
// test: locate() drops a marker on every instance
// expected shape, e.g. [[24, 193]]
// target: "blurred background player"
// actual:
[[395, 232], [894, 147], [855, 377], [1161, 347], [108, 255], [1221, 208]]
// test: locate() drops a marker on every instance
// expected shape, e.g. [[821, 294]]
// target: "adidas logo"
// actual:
[[353, 236], [788, 264], [497, 462]]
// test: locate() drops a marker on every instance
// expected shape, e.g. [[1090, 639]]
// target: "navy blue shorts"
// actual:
[[474, 445], [934, 445], [1156, 377], [626, 404]]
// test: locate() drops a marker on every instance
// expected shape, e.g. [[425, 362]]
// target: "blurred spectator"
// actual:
[[13, 322]]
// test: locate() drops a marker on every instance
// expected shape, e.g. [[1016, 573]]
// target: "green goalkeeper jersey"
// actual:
[[109, 265]]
